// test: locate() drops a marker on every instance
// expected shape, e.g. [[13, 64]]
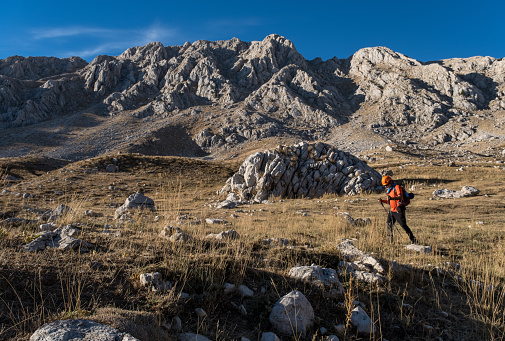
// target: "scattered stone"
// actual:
[[419, 248], [276, 241], [191, 337], [227, 204], [59, 211], [360, 319], [230, 235], [27, 195], [91, 213], [110, 168], [332, 338], [177, 323], [185, 219], [292, 315], [352, 253], [428, 328], [408, 308], [362, 222], [228, 287], [200, 312], [245, 291], [398, 268], [368, 277], [269, 336], [179, 237], [111, 233], [317, 275], [212, 221], [168, 231], [15, 221], [364, 268], [466, 191], [137, 201], [61, 238], [47, 227], [85, 330], [346, 217], [231, 201], [154, 281], [340, 328]]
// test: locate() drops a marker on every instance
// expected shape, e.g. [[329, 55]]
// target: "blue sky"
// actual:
[[424, 30]]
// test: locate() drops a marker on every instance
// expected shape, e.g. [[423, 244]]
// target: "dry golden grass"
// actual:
[[465, 303]]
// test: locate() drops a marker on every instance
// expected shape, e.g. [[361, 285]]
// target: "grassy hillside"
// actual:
[[455, 292]]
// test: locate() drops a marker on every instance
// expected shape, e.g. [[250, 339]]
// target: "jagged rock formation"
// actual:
[[224, 93], [302, 170]]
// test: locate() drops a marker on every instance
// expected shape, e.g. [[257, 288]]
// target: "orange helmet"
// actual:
[[386, 180]]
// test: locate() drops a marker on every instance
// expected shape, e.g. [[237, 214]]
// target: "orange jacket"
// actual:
[[395, 192]]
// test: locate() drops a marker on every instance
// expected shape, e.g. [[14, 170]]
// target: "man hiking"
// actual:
[[396, 202]]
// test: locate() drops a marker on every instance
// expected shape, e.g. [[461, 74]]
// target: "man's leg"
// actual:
[[400, 217], [389, 224]]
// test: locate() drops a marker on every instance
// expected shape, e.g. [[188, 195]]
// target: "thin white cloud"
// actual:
[[151, 33], [94, 51], [58, 32], [105, 40], [156, 32]]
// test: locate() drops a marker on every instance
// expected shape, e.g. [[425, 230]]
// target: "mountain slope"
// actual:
[[221, 95]]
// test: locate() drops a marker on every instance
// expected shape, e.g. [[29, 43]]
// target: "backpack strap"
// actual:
[[392, 188]]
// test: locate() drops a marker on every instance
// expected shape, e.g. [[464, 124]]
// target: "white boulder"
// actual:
[[83, 330], [318, 275], [292, 315], [360, 319]]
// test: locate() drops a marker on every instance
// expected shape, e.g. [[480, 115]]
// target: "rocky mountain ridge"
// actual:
[[216, 96]]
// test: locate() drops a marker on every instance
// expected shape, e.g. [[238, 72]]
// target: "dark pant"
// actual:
[[399, 217]]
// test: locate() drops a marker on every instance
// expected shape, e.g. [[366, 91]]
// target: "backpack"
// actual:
[[406, 196]]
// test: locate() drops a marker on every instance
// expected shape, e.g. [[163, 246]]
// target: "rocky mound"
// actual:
[[301, 170]]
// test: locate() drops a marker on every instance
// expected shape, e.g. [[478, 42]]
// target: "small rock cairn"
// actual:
[[301, 170]]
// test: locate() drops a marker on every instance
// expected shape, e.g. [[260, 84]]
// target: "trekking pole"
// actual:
[[388, 229]]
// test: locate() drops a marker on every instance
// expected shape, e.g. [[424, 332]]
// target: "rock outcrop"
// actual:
[[301, 170]]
